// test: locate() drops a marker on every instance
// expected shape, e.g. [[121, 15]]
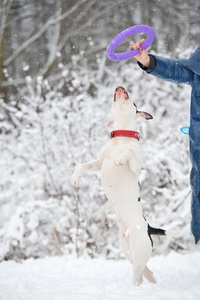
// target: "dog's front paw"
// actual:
[[122, 159], [120, 162], [75, 179]]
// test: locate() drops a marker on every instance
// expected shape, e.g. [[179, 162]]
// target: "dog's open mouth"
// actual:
[[120, 90]]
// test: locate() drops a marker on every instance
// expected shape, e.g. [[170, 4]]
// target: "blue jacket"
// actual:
[[186, 71]]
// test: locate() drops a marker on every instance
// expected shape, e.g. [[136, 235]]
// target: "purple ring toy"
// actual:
[[124, 34]]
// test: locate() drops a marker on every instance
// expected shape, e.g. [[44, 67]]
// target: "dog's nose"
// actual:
[[119, 90]]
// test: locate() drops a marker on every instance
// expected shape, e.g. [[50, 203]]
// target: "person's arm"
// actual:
[[164, 68], [151, 65]]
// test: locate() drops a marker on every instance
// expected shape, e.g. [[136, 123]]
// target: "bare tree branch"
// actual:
[[3, 17], [4, 12], [36, 36], [53, 48], [86, 25]]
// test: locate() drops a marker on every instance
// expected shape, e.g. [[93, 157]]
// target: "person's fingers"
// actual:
[[141, 42], [134, 46], [137, 45]]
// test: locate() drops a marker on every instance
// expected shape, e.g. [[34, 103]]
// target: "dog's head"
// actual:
[[123, 105]]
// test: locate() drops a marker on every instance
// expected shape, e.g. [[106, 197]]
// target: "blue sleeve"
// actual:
[[170, 70]]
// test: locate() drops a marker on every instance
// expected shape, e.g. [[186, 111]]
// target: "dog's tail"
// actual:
[[159, 231]]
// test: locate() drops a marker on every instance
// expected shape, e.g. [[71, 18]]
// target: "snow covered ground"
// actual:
[[61, 278]]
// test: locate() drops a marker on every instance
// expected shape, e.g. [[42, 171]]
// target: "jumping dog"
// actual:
[[119, 163]]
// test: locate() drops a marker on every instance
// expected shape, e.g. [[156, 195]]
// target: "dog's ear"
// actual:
[[144, 114]]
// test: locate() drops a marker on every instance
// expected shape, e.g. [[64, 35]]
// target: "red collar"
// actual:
[[126, 133]]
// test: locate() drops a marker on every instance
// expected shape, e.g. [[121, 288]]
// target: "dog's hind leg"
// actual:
[[140, 248], [148, 274], [124, 242]]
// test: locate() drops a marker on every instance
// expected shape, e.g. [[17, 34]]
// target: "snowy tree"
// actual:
[[56, 90]]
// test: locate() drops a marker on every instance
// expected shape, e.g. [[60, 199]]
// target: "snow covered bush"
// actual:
[[60, 124]]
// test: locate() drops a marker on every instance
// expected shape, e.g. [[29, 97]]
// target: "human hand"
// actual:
[[143, 56]]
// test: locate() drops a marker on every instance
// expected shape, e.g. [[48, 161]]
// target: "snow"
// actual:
[[65, 278]]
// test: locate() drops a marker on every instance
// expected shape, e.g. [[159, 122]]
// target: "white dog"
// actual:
[[120, 161]]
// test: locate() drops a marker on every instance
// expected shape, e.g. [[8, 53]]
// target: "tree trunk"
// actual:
[[4, 13]]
